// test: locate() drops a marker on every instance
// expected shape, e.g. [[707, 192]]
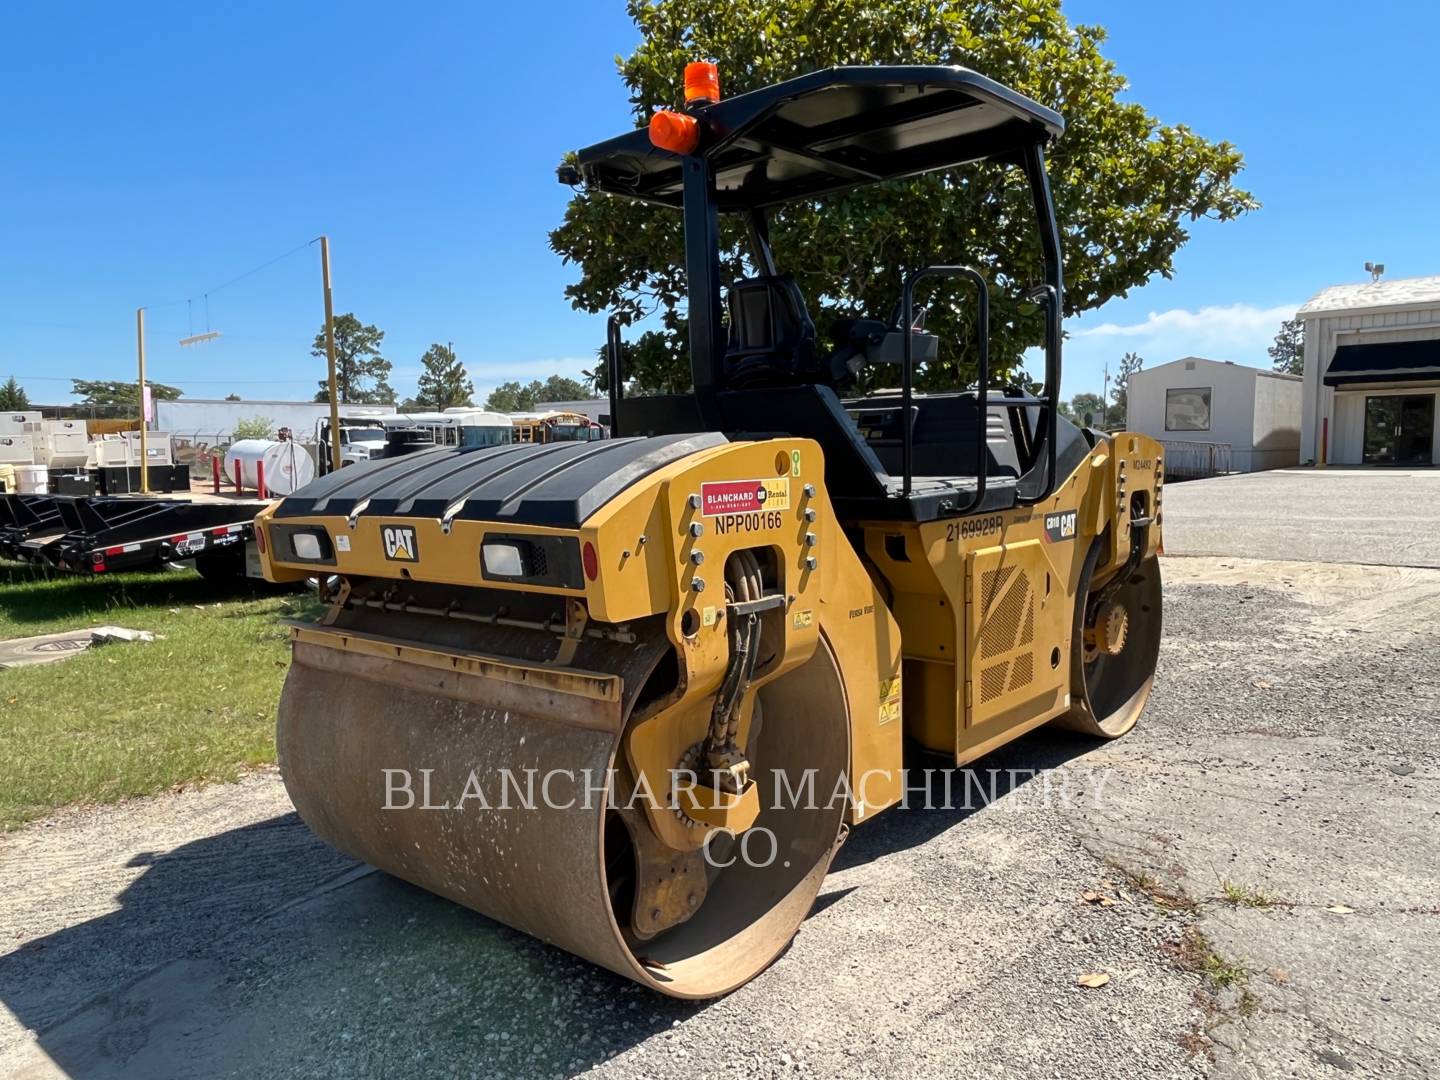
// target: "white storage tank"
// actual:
[[287, 466]]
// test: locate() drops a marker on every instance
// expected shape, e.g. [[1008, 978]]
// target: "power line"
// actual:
[[181, 382], [238, 278], [205, 295], [256, 270]]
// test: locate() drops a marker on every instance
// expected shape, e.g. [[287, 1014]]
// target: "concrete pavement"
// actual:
[[1370, 516]]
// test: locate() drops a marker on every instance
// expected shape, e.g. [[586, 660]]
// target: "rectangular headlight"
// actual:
[[503, 560], [306, 545]]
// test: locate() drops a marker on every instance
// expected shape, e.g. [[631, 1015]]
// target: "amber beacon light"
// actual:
[[702, 82], [673, 131]]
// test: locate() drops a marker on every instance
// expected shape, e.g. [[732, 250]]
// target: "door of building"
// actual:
[[1399, 429]]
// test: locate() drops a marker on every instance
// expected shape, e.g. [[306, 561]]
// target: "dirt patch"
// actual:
[[1345, 599]]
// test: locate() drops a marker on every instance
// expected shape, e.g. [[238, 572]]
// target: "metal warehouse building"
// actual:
[[1372, 373], [1216, 416]]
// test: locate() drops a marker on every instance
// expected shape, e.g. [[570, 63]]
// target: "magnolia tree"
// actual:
[[1126, 185]]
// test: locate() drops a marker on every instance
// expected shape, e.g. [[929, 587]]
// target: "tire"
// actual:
[[222, 567]]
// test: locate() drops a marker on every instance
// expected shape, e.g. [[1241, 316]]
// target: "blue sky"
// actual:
[[154, 153]]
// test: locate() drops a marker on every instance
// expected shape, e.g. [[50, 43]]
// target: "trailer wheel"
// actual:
[[222, 567]]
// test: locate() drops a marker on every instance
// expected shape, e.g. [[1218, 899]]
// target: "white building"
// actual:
[[1249, 416], [1372, 373]]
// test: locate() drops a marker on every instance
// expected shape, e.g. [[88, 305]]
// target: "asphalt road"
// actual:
[[1373, 516], [1268, 840]]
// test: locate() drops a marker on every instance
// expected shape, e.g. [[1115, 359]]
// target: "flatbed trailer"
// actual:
[[23, 517], [105, 534]]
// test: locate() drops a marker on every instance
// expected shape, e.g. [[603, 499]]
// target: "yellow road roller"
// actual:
[[630, 695]]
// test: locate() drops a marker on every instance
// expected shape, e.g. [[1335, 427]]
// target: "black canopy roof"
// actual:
[[829, 130], [1389, 361]]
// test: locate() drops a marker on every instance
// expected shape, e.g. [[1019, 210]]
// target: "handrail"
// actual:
[[1046, 297], [1051, 296], [907, 315], [612, 371]]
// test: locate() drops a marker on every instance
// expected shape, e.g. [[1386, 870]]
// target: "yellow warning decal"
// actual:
[[889, 699], [802, 619]]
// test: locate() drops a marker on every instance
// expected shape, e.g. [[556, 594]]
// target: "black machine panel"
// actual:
[[558, 484]]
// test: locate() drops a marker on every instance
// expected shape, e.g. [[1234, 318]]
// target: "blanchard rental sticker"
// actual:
[[744, 496]]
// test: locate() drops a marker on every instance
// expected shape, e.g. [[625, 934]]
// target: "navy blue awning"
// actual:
[[1390, 361]]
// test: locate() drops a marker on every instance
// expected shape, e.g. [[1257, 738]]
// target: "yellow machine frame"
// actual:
[[962, 627]]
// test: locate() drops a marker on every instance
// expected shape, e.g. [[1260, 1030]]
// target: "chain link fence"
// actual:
[[1195, 460]]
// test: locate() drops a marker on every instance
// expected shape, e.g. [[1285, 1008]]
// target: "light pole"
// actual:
[[1105, 398], [330, 353], [144, 442]]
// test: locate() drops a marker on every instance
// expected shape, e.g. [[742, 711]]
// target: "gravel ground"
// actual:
[[1290, 752], [1376, 516]]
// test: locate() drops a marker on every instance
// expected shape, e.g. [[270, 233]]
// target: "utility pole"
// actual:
[[144, 443], [330, 353], [1105, 398]]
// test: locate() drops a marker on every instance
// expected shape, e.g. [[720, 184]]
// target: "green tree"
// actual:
[[1088, 409], [443, 383], [253, 427], [561, 388], [13, 396], [114, 392], [657, 362], [1126, 185], [511, 397], [1288, 352], [232, 397], [357, 363], [1119, 412]]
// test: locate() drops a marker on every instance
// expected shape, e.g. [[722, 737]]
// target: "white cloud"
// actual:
[[1233, 326], [1239, 332]]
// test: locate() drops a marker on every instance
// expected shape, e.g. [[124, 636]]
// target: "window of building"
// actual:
[[1187, 409]]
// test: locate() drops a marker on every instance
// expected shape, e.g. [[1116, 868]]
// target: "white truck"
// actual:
[[362, 436]]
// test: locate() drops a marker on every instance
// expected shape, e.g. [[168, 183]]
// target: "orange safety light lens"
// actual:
[[702, 81], [676, 132]]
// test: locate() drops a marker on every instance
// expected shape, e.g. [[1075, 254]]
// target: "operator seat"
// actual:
[[772, 340]]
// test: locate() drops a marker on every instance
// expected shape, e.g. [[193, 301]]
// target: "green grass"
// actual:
[[135, 719], [1195, 953], [1238, 895]]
